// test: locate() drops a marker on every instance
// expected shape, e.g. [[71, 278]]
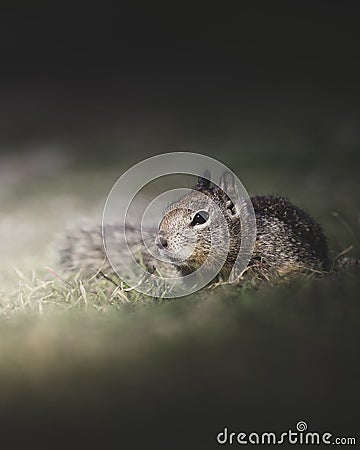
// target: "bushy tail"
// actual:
[[82, 249]]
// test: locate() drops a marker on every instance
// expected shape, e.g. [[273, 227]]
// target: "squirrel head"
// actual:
[[202, 226]]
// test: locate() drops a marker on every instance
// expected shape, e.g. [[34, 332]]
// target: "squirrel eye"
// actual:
[[200, 218]]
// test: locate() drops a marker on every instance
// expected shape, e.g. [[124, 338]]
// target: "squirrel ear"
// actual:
[[227, 190], [203, 182], [227, 183]]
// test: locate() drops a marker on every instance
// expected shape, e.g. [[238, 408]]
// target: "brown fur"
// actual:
[[288, 242]]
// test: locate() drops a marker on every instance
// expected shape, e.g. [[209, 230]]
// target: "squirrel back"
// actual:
[[289, 241]]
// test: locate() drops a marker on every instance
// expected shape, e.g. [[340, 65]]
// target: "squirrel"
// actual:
[[289, 243]]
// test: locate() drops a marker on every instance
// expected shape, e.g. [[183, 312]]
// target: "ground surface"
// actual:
[[84, 360]]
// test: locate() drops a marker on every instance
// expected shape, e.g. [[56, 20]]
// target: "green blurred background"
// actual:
[[269, 89]]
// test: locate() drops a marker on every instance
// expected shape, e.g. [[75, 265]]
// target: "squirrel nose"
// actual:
[[161, 242]]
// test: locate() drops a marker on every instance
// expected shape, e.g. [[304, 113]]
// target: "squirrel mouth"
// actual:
[[168, 256]]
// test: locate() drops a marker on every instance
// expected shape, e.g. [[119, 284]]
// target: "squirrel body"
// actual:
[[288, 241]]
